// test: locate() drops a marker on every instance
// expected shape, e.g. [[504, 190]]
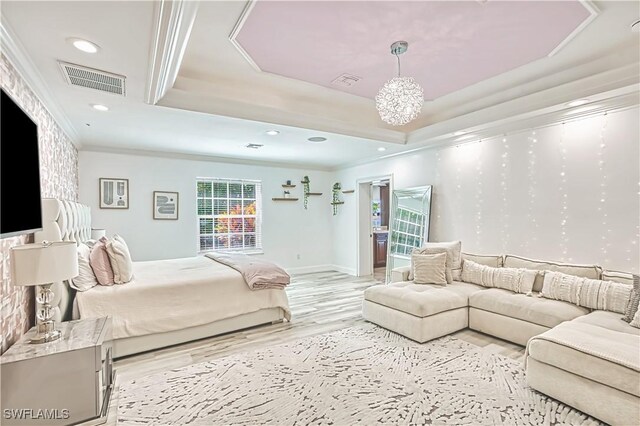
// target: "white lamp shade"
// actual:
[[96, 234], [35, 264]]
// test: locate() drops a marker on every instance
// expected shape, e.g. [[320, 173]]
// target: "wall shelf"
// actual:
[[339, 202], [288, 186], [284, 199], [349, 191], [314, 193]]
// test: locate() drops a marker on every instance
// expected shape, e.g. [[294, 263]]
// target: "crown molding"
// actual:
[[236, 30], [173, 21], [13, 49], [593, 14], [201, 157]]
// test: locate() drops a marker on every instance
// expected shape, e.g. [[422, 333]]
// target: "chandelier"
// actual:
[[400, 100]]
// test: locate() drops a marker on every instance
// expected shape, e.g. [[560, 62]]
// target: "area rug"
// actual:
[[359, 375]]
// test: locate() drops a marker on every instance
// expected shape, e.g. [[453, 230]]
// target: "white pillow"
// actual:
[[515, 279], [635, 322], [120, 259], [593, 294], [454, 249], [86, 279], [429, 268], [434, 250]]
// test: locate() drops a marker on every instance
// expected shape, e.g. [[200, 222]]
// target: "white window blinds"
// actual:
[[229, 214]]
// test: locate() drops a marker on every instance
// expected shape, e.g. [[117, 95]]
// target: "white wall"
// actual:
[[537, 198], [288, 229]]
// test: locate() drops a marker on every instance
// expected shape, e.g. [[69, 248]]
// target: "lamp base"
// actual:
[[46, 332]]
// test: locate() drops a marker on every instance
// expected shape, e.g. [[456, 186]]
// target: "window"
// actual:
[[229, 214], [408, 230]]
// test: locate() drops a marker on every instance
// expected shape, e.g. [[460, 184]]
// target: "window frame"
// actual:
[[214, 217]]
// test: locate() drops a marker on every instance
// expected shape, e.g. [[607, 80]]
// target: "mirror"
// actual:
[[409, 225]]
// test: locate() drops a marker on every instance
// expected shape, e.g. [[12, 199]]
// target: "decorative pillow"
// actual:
[[86, 278], [99, 261], [495, 261], [434, 250], [593, 294], [634, 301], [454, 251], [514, 279], [120, 259], [429, 268], [586, 271], [635, 322]]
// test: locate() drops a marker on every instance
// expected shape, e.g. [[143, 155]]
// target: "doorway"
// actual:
[[374, 204]]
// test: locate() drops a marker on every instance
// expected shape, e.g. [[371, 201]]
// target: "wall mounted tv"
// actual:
[[20, 202]]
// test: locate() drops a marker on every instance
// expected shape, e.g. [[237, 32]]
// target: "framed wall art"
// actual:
[[165, 205], [114, 193]]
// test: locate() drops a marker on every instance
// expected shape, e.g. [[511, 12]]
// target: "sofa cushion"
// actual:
[[596, 353], [617, 276], [608, 320], [421, 300], [430, 268], [514, 279], [495, 261], [594, 294], [537, 310], [586, 271]]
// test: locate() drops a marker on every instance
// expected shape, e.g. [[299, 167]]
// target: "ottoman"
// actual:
[[420, 312]]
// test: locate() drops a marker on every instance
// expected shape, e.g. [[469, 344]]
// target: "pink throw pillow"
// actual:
[[99, 261]]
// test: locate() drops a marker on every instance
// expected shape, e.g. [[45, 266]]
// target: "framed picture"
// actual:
[[114, 193], [165, 205]]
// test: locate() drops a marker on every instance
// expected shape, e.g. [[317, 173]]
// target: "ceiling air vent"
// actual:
[[346, 80], [90, 78], [254, 145]]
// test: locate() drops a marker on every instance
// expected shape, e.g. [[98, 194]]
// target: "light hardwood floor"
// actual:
[[320, 303]]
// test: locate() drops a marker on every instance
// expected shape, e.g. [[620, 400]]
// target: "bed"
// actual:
[[168, 302]]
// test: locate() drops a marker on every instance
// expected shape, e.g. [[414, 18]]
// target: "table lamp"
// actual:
[[43, 264]]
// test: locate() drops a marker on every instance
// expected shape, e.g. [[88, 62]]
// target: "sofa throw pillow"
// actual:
[[429, 268], [435, 250], [454, 249], [86, 279], [635, 321], [634, 301], [100, 264], [120, 259], [585, 292], [514, 279]]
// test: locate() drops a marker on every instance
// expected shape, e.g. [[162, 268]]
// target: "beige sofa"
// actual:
[[586, 359]]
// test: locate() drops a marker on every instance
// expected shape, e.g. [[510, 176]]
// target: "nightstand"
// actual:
[[62, 382]]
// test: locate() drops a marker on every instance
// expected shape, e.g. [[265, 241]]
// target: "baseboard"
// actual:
[[320, 268]]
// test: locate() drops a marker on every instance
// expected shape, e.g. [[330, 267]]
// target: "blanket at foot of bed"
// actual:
[[259, 274]]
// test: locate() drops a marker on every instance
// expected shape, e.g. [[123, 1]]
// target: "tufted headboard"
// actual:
[[63, 221]]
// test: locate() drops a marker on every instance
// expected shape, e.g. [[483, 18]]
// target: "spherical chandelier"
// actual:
[[400, 100]]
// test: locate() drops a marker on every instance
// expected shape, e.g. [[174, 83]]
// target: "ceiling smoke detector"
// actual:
[[254, 146], [346, 80]]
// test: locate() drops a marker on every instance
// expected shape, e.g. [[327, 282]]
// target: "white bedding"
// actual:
[[168, 295]]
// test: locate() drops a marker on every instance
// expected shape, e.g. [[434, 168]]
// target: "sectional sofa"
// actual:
[[588, 359]]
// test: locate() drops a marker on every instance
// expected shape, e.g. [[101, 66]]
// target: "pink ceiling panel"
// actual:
[[452, 44]]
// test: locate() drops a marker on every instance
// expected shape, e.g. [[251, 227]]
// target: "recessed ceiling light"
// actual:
[[635, 27], [578, 102], [382, 148], [272, 132], [84, 45], [459, 133], [100, 107], [317, 139]]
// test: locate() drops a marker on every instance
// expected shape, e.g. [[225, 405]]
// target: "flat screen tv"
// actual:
[[20, 202]]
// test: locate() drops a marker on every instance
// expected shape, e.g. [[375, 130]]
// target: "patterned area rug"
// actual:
[[360, 375]]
